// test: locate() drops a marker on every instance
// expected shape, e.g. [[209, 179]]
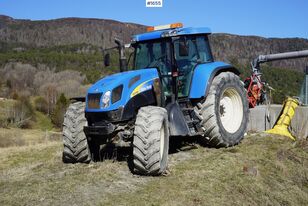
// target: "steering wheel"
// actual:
[[156, 61]]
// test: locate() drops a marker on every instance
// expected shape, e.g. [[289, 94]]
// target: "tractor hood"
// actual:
[[114, 91]]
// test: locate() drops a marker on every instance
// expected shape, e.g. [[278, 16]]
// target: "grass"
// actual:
[[43, 122], [4, 106], [40, 121], [36, 175], [262, 170], [23, 137]]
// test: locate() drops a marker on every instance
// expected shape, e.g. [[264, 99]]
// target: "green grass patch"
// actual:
[[42, 122]]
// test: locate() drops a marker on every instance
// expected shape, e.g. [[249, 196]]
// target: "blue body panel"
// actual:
[[201, 78], [172, 32], [110, 82]]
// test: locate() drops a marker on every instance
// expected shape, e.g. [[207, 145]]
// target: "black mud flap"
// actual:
[[177, 123]]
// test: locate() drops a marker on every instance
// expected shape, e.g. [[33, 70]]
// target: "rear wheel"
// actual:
[[151, 141], [225, 111], [76, 148]]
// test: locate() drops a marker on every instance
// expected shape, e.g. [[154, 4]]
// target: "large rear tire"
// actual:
[[151, 141], [76, 148], [225, 111]]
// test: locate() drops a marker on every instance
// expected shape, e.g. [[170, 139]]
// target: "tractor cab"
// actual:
[[175, 52]]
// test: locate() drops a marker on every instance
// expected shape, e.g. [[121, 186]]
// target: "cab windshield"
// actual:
[[153, 54]]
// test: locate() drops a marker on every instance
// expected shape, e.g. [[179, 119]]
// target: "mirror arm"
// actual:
[[121, 48]]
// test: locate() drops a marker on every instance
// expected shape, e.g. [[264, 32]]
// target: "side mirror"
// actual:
[[107, 60], [183, 48]]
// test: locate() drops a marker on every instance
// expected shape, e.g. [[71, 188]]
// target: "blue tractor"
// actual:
[[174, 89]]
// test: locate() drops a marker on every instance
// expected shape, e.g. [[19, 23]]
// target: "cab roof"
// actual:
[[170, 32]]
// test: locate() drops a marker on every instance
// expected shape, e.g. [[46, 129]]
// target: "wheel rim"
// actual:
[[231, 110], [162, 141]]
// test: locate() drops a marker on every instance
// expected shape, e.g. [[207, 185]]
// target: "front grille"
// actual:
[[94, 101]]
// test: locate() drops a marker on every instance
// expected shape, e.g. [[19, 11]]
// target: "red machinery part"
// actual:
[[253, 91]]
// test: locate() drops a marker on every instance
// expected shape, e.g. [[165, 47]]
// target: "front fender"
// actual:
[[204, 75]]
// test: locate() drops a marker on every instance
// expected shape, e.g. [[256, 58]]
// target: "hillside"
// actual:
[[98, 32], [243, 49], [101, 32]]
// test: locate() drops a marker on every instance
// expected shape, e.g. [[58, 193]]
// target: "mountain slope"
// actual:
[[98, 32], [101, 32], [243, 49]]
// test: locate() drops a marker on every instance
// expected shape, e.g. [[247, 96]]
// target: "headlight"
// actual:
[[106, 99]]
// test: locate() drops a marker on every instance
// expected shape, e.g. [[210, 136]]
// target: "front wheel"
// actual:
[[225, 111], [76, 148], [151, 141]]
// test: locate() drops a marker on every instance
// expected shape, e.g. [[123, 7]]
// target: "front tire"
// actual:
[[76, 148], [151, 141], [225, 111]]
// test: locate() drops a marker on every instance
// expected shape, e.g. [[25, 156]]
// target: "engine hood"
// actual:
[[133, 83]]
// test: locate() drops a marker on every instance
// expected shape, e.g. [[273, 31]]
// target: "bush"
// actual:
[[23, 113], [14, 95], [9, 84], [57, 115], [41, 104]]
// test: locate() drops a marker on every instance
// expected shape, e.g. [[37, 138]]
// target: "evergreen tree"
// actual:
[[57, 115]]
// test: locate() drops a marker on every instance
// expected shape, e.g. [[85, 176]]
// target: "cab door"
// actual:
[[188, 52], [156, 54]]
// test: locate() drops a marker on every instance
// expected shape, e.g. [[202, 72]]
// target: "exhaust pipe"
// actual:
[[122, 57]]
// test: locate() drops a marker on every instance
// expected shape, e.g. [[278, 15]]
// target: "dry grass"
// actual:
[[262, 170], [35, 175], [21, 137]]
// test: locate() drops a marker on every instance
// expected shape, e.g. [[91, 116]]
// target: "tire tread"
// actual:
[[75, 143]]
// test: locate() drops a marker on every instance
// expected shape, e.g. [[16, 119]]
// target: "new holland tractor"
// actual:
[[175, 88]]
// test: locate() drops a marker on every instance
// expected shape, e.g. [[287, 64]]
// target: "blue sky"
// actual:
[[268, 18]]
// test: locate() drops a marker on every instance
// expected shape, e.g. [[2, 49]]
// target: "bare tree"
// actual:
[[50, 93]]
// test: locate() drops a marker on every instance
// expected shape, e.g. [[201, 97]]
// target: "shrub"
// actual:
[[58, 113], [14, 95], [41, 104], [20, 114]]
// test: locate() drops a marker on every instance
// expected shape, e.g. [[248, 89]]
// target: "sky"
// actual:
[[267, 18]]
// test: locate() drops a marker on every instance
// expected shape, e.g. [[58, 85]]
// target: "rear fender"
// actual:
[[204, 75]]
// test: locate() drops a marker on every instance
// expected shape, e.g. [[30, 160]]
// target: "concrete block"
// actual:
[[264, 117]]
